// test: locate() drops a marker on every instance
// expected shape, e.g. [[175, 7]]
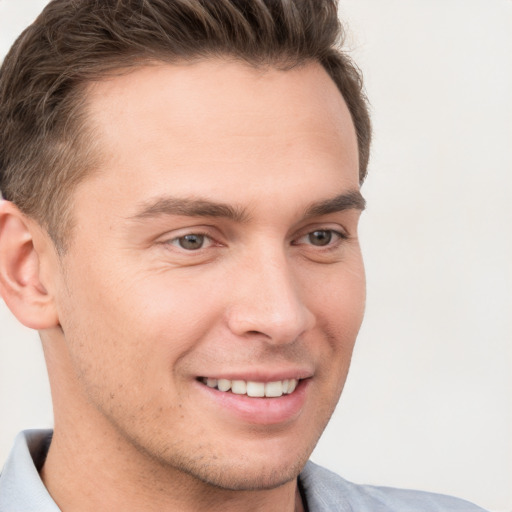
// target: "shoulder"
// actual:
[[325, 491]]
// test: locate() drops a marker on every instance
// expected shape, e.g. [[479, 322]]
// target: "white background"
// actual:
[[428, 403]]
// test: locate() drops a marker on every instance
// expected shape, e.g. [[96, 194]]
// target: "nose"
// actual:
[[267, 300]]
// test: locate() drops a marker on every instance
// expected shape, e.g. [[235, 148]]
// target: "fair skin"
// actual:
[[218, 239]]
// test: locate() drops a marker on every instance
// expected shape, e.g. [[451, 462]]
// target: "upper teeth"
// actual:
[[255, 389]]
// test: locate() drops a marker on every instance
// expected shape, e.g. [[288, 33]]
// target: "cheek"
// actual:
[[174, 313], [128, 319], [144, 332], [338, 298], [339, 310]]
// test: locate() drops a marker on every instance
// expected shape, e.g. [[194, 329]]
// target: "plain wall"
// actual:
[[428, 403]]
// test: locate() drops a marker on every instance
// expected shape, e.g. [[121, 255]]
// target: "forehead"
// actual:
[[195, 125]]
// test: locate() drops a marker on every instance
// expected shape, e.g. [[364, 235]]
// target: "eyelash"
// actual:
[[335, 238], [176, 241], [331, 244]]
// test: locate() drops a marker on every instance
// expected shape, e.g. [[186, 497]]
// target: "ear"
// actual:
[[21, 285]]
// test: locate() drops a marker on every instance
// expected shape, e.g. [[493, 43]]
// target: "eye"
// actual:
[[320, 238], [191, 242]]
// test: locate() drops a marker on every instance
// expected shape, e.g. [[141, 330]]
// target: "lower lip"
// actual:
[[260, 411]]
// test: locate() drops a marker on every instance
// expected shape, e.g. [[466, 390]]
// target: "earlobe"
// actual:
[[21, 286]]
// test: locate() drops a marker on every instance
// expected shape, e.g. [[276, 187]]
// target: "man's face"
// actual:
[[216, 243]]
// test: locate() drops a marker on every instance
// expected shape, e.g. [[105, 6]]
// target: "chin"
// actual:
[[242, 470], [259, 465], [249, 477]]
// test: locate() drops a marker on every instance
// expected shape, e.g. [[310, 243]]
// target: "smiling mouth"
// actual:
[[251, 388]]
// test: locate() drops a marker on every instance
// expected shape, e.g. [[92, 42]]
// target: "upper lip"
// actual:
[[262, 375]]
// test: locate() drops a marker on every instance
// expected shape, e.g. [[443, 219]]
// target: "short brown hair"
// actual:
[[45, 149]]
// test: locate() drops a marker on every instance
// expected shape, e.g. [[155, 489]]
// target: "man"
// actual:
[[182, 193]]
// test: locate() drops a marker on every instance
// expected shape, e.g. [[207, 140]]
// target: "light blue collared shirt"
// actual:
[[21, 488]]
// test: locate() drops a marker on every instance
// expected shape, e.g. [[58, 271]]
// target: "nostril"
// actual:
[[274, 315]]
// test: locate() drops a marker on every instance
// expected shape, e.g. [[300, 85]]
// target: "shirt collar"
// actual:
[[21, 487]]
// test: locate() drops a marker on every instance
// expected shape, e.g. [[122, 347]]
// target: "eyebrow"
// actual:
[[189, 207], [198, 207], [352, 200]]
